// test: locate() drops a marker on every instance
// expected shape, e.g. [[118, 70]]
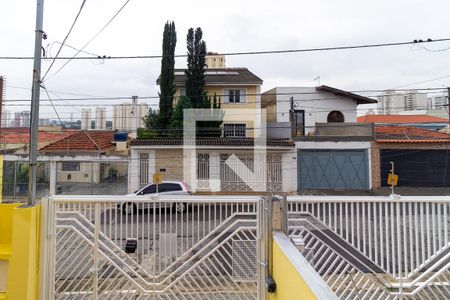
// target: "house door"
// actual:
[[298, 123]]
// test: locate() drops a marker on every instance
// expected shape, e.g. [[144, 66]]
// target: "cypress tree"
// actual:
[[167, 76], [195, 73]]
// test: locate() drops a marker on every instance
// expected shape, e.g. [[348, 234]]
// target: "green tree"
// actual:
[[167, 77], [176, 121], [151, 121], [195, 73], [195, 83], [211, 128]]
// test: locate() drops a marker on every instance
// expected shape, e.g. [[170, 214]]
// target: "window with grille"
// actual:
[[234, 130], [68, 166]]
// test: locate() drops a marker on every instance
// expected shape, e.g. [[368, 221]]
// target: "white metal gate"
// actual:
[[376, 247], [185, 248]]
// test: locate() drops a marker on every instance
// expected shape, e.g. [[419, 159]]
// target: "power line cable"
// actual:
[[65, 39], [431, 90], [54, 108], [92, 39], [420, 82], [253, 52]]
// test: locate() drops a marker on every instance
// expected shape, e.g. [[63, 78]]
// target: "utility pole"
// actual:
[[448, 107], [134, 116], [35, 95]]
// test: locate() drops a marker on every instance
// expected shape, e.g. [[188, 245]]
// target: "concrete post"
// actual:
[[53, 178], [214, 171], [151, 165], [289, 172], [133, 171]]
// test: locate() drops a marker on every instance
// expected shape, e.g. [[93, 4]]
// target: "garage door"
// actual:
[[333, 169], [417, 168]]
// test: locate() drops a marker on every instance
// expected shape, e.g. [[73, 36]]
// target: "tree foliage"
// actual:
[[151, 121], [176, 122], [167, 76], [211, 128], [195, 73]]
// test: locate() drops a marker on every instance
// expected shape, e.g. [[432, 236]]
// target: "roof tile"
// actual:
[[82, 142], [400, 119], [409, 134], [219, 141]]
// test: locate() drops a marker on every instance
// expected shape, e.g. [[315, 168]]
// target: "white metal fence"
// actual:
[[186, 248], [376, 247]]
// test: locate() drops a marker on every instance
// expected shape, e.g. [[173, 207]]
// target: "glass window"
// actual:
[[298, 123], [151, 189], [170, 187], [234, 130], [68, 166], [235, 96]]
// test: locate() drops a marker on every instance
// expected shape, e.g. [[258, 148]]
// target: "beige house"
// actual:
[[238, 90], [209, 170], [88, 147]]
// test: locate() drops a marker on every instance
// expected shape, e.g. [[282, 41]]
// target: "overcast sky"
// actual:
[[229, 26]]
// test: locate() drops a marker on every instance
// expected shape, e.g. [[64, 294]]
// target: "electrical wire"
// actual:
[[431, 90], [54, 108], [335, 48], [92, 39], [65, 39]]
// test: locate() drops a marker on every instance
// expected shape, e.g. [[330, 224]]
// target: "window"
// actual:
[[234, 130], [235, 96], [335, 117], [298, 123], [69, 166], [182, 92], [151, 189], [169, 187]]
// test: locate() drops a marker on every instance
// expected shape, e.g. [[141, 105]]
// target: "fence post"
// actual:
[[15, 179], [262, 246], [96, 250], [52, 188]]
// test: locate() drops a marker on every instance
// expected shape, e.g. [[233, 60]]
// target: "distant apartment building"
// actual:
[[391, 103], [44, 122], [21, 119], [438, 102], [100, 118], [85, 119], [124, 113], [6, 118]]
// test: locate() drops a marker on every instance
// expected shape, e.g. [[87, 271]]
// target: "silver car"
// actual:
[[164, 188]]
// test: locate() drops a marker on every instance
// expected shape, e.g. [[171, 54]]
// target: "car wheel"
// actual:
[[180, 207], [129, 208]]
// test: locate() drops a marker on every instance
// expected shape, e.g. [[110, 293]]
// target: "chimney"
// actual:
[[215, 60]]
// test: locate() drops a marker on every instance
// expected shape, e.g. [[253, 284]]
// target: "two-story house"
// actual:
[[239, 91], [333, 150]]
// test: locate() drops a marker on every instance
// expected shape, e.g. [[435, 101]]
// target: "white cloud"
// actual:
[[232, 26]]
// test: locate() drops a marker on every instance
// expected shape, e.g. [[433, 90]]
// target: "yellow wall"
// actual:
[[19, 232], [1, 178], [231, 110], [290, 285]]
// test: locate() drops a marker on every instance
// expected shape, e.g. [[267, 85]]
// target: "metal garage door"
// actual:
[[328, 169], [417, 168]]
